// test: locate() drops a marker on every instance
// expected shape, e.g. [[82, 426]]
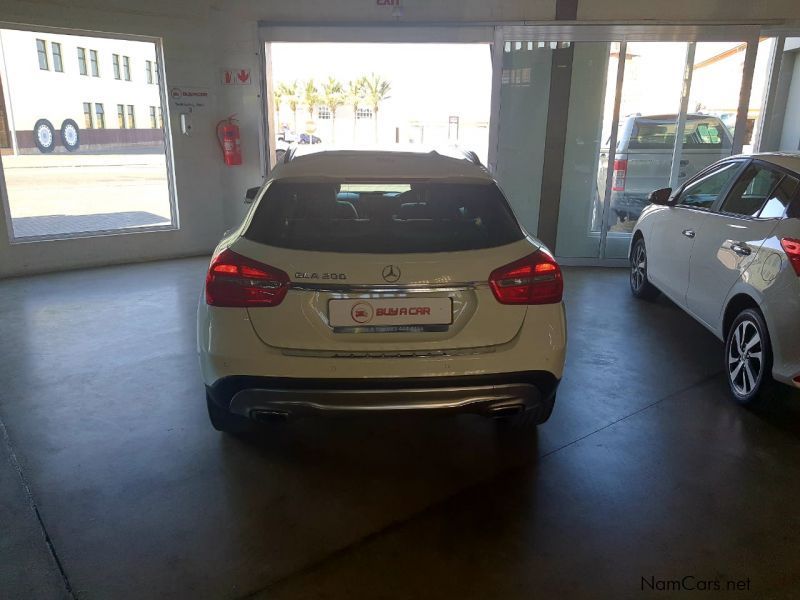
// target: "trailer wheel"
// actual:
[[69, 135], [44, 136]]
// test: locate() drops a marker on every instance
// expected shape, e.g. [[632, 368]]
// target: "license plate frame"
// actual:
[[360, 313]]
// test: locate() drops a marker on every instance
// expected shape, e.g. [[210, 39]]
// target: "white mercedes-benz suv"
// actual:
[[380, 281], [725, 247]]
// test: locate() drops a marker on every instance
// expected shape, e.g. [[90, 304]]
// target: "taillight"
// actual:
[[618, 177], [792, 249], [236, 281], [535, 279]]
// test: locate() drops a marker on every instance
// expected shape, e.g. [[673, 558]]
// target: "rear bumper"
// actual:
[[490, 395]]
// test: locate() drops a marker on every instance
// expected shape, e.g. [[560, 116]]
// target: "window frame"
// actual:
[[121, 116], [94, 61], [706, 172], [88, 116], [148, 67], [41, 52], [58, 66], [131, 116], [164, 125], [115, 67], [769, 167], [126, 68], [83, 65], [100, 115]]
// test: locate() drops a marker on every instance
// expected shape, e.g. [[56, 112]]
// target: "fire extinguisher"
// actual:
[[229, 142]]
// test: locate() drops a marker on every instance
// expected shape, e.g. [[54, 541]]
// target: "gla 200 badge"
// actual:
[[337, 276]]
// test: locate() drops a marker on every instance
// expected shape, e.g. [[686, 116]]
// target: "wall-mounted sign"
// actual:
[[189, 97], [236, 77]]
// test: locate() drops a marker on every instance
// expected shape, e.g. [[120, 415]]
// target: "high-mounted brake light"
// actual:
[[535, 279], [792, 249], [236, 281], [618, 177]]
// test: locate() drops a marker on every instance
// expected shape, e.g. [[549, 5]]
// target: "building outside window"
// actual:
[[95, 63], [101, 115], [57, 112], [58, 64], [364, 113], [324, 113], [87, 115], [82, 61], [41, 49]]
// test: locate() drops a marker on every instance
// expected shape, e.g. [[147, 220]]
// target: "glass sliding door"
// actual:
[[650, 103]]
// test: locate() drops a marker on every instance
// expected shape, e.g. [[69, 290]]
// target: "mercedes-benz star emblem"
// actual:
[[391, 273]]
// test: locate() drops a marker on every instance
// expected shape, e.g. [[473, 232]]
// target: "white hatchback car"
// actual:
[[380, 281], [726, 248]]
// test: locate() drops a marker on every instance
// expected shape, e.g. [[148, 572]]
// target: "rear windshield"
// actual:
[[383, 218], [700, 133]]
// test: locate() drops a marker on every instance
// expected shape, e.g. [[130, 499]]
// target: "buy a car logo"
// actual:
[[362, 312]]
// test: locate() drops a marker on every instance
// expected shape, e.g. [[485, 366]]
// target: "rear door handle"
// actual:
[[741, 249], [688, 233]]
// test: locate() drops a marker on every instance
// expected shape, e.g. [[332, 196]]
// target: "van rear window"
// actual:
[[383, 217]]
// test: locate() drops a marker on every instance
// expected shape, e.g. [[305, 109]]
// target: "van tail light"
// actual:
[[236, 281], [618, 177], [535, 279], [792, 249]]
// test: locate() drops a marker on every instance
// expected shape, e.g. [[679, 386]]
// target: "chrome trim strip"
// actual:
[[382, 289], [390, 353]]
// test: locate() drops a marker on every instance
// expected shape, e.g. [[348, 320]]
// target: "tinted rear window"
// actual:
[[383, 218], [654, 134]]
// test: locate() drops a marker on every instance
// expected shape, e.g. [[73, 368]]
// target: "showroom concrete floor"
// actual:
[[113, 484]]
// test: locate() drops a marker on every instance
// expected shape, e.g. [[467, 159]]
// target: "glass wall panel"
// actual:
[[591, 106], [71, 165], [524, 96]]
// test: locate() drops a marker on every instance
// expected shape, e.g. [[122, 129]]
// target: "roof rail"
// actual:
[[472, 157]]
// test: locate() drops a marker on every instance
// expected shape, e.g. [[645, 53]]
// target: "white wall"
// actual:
[[202, 36]]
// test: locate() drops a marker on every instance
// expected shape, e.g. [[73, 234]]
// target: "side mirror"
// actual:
[[661, 197], [251, 194]]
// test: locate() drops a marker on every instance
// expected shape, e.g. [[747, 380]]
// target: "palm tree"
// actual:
[[333, 98], [277, 100], [311, 99], [377, 90], [289, 91], [355, 97]]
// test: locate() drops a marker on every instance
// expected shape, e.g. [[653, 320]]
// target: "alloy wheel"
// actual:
[[745, 360], [638, 266]]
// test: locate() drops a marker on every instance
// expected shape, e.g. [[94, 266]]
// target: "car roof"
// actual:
[[787, 160], [381, 165]]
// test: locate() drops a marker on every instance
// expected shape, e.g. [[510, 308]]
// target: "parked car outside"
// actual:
[[368, 281], [643, 159], [725, 247]]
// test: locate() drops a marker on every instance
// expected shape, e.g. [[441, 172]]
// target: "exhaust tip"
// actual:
[[506, 410], [269, 416]]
